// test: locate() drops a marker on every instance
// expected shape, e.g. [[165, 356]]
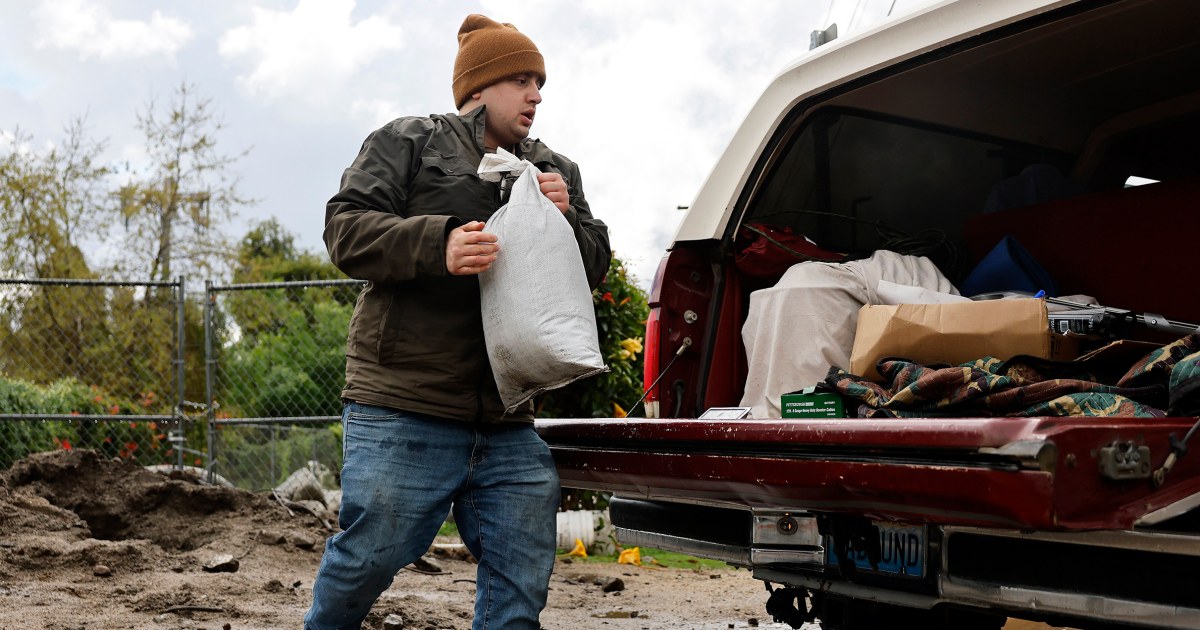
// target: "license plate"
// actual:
[[901, 551]]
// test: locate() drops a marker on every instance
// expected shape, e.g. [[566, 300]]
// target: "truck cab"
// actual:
[[929, 136]]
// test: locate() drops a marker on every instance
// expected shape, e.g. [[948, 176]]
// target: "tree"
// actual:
[[51, 201], [59, 208], [268, 253], [285, 354], [185, 183]]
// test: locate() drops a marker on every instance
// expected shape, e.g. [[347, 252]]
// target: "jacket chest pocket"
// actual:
[[449, 185]]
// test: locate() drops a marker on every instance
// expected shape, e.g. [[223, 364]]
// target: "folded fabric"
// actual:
[[1029, 386]]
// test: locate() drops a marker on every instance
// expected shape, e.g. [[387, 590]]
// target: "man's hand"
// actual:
[[555, 189], [470, 250]]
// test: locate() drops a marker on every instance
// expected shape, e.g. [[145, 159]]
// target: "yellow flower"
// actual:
[[579, 549], [618, 412], [630, 556], [632, 346]]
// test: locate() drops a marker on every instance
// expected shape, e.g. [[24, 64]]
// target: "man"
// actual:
[[424, 427]]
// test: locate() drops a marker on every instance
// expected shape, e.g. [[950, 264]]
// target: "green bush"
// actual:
[[297, 369], [141, 441], [621, 311]]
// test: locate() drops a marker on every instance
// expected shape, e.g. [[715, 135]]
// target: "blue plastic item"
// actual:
[[1008, 267]]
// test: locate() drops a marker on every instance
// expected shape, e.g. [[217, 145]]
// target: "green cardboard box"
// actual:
[[808, 403]]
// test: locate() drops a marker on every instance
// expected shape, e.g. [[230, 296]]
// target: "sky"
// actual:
[[642, 95]]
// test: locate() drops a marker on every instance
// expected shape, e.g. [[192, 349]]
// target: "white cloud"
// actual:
[[645, 96], [94, 32], [307, 53], [376, 110], [8, 143]]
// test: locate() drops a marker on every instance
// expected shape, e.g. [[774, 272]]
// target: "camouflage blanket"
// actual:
[[1166, 381]]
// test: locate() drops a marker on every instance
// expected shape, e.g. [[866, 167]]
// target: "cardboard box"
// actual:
[[954, 333], [808, 403]]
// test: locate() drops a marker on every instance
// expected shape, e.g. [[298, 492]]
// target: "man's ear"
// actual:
[[473, 102]]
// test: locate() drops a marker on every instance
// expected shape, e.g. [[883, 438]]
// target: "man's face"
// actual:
[[511, 106]]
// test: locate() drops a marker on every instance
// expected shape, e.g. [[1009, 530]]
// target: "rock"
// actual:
[[223, 563], [333, 500], [393, 622], [421, 565], [302, 542], [190, 474], [273, 586], [453, 551], [270, 538], [614, 585], [752, 622], [307, 483], [617, 614], [314, 506], [101, 570]]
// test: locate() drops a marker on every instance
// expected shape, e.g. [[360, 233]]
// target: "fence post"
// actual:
[[210, 299], [274, 462], [180, 368]]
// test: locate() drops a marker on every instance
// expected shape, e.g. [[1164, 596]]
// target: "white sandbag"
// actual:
[[538, 319]]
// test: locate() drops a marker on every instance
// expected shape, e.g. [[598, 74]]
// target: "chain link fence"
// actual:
[[113, 366], [275, 369], [92, 364]]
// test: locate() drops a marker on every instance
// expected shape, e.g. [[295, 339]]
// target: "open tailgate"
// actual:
[[1021, 473]]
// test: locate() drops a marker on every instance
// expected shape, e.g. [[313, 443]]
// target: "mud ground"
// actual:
[[88, 544]]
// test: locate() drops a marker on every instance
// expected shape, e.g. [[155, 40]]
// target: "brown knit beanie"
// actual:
[[488, 52]]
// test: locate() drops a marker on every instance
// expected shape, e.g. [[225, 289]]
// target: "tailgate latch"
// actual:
[[1122, 461]]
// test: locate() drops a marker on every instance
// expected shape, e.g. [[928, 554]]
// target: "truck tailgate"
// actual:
[[1021, 473]]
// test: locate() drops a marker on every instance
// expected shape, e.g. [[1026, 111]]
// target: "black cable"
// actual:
[[687, 343], [924, 243]]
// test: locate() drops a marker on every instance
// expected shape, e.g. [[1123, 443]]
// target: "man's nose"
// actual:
[[535, 94]]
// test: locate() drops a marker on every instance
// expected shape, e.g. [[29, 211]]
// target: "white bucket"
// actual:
[[590, 526]]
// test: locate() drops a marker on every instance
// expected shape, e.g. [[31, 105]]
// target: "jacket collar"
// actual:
[[471, 127]]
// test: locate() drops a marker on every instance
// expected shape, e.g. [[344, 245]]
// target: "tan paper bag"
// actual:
[[949, 333]]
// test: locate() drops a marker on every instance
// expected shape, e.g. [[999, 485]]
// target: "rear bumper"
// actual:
[[1133, 578]]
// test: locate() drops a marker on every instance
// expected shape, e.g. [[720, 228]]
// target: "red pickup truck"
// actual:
[[897, 137]]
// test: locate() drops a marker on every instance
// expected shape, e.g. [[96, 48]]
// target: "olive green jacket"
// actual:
[[416, 337]]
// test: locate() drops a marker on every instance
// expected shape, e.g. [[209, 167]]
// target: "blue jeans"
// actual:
[[401, 474]]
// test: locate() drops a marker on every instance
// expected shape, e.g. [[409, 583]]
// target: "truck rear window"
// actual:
[[856, 183]]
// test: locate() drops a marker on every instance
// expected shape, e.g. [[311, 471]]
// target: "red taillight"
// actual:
[[651, 357]]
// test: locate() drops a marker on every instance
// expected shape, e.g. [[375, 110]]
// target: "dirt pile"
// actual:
[[89, 543]]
